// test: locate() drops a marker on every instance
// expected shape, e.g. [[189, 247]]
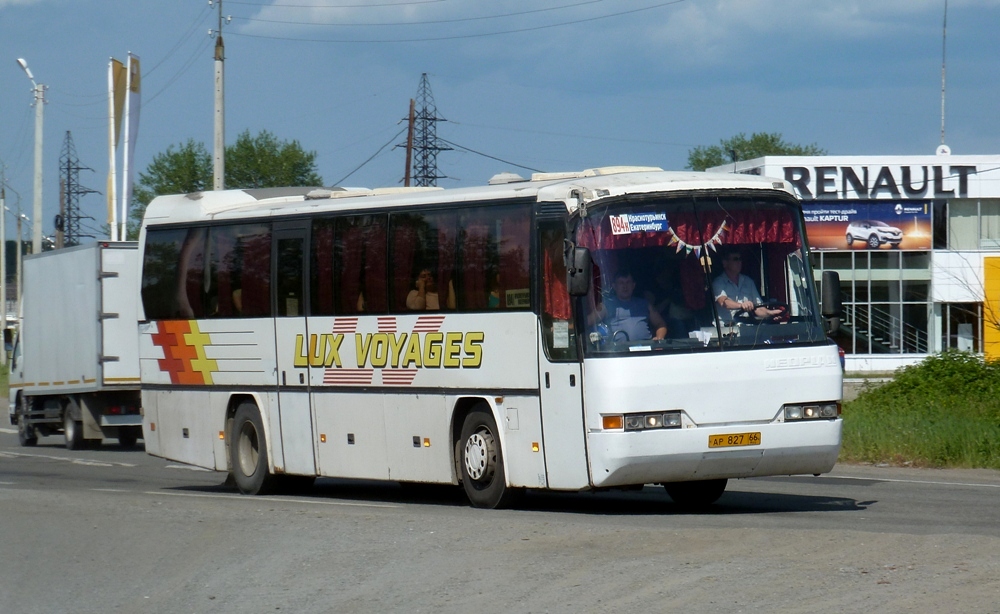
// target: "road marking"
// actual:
[[108, 490], [11, 431], [930, 482], [188, 467], [261, 500], [70, 459]]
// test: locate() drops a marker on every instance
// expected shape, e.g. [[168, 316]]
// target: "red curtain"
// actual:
[[475, 285], [222, 263], [256, 276], [323, 263], [514, 254], [375, 262], [447, 235], [351, 251], [404, 245], [557, 301]]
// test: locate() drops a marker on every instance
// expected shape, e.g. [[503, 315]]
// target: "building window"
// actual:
[[963, 225], [886, 299], [962, 327], [989, 224]]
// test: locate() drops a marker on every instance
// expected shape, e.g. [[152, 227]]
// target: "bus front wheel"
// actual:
[[696, 495], [483, 476], [248, 451]]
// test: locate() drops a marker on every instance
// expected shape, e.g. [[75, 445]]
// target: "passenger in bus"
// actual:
[[630, 318], [734, 292], [665, 294], [493, 298], [425, 295]]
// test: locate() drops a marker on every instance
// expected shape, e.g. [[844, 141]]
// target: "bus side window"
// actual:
[[360, 264], [558, 328]]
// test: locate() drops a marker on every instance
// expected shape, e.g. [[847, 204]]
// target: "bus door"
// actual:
[[560, 370], [292, 342]]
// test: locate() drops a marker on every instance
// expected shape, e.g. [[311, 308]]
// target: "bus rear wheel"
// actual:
[[696, 495], [248, 452], [483, 476]]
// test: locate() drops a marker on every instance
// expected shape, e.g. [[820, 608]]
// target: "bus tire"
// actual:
[[73, 430], [483, 476], [696, 495], [248, 452]]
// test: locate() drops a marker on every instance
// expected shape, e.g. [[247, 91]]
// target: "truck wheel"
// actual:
[[482, 462], [26, 435], [248, 452], [127, 437], [696, 495], [73, 430]]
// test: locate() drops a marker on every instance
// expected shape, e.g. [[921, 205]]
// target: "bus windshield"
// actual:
[[697, 273]]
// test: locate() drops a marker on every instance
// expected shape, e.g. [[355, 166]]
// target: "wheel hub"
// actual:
[[480, 456], [248, 449]]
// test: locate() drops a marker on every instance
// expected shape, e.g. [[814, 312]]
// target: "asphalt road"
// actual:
[[110, 530]]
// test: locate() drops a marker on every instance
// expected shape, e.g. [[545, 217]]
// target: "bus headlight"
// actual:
[[659, 420], [812, 411]]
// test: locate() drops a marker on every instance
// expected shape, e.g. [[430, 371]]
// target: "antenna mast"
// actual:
[[944, 40]]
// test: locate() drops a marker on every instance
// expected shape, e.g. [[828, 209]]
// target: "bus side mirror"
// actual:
[[579, 271], [832, 306]]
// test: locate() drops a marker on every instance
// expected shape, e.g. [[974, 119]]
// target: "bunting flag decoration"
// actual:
[[696, 248]]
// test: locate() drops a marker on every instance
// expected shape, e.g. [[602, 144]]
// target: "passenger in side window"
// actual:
[[630, 318], [425, 296]]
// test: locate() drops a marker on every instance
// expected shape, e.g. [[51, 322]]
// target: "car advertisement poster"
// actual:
[[860, 225]]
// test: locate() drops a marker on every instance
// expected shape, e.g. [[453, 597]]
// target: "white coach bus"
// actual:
[[561, 333]]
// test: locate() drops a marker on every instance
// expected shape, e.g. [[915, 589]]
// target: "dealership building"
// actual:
[[916, 241]]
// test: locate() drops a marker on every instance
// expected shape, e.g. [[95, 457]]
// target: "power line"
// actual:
[[336, 6], [372, 157], [460, 36], [479, 153], [419, 23]]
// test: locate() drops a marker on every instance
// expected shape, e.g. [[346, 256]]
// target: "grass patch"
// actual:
[[941, 412]]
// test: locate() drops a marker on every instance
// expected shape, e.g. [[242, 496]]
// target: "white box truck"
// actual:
[[75, 367]]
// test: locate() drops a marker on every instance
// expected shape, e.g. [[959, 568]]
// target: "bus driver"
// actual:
[[734, 292]]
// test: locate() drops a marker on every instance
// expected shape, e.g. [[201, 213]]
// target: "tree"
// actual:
[[264, 162], [742, 148], [251, 162]]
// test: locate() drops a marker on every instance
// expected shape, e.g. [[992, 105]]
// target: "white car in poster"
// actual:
[[873, 233]]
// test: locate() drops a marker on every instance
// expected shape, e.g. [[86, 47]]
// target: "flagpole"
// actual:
[[112, 176]]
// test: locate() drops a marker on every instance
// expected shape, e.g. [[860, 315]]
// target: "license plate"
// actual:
[[733, 440]]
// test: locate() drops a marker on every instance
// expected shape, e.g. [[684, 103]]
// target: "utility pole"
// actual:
[[39, 102], [409, 147], [61, 218], [219, 148], [3, 267]]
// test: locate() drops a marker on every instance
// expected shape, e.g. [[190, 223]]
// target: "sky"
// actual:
[[523, 85]]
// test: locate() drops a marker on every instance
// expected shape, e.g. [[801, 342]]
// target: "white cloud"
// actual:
[[718, 29]]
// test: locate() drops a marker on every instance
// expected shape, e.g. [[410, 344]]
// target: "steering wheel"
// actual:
[[614, 337]]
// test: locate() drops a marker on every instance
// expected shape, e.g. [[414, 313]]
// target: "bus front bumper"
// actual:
[[620, 458]]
